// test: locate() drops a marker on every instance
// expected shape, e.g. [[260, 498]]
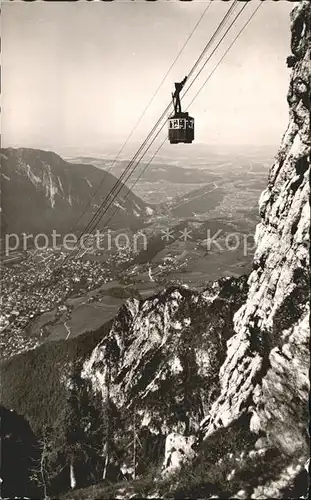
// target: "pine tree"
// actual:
[[134, 442], [106, 449]]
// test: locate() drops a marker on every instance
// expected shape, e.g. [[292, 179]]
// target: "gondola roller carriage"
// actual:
[[180, 125]]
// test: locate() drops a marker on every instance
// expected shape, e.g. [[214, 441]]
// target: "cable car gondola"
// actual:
[[180, 125]]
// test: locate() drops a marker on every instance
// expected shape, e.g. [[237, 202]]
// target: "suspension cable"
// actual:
[[126, 174], [142, 115], [98, 216], [196, 95], [201, 88]]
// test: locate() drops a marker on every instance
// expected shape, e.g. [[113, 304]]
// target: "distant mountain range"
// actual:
[[41, 192], [155, 172]]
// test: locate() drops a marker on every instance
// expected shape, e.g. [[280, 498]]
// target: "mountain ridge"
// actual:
[[42, 192]]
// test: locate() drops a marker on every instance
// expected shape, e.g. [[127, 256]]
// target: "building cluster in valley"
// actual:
[[38, 283]]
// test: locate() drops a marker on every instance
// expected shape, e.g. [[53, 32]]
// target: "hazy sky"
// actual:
[[80, 74]]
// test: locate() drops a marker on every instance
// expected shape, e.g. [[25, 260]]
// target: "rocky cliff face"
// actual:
[[216, 380], [270, 345], [266, 369], [160, 362]]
